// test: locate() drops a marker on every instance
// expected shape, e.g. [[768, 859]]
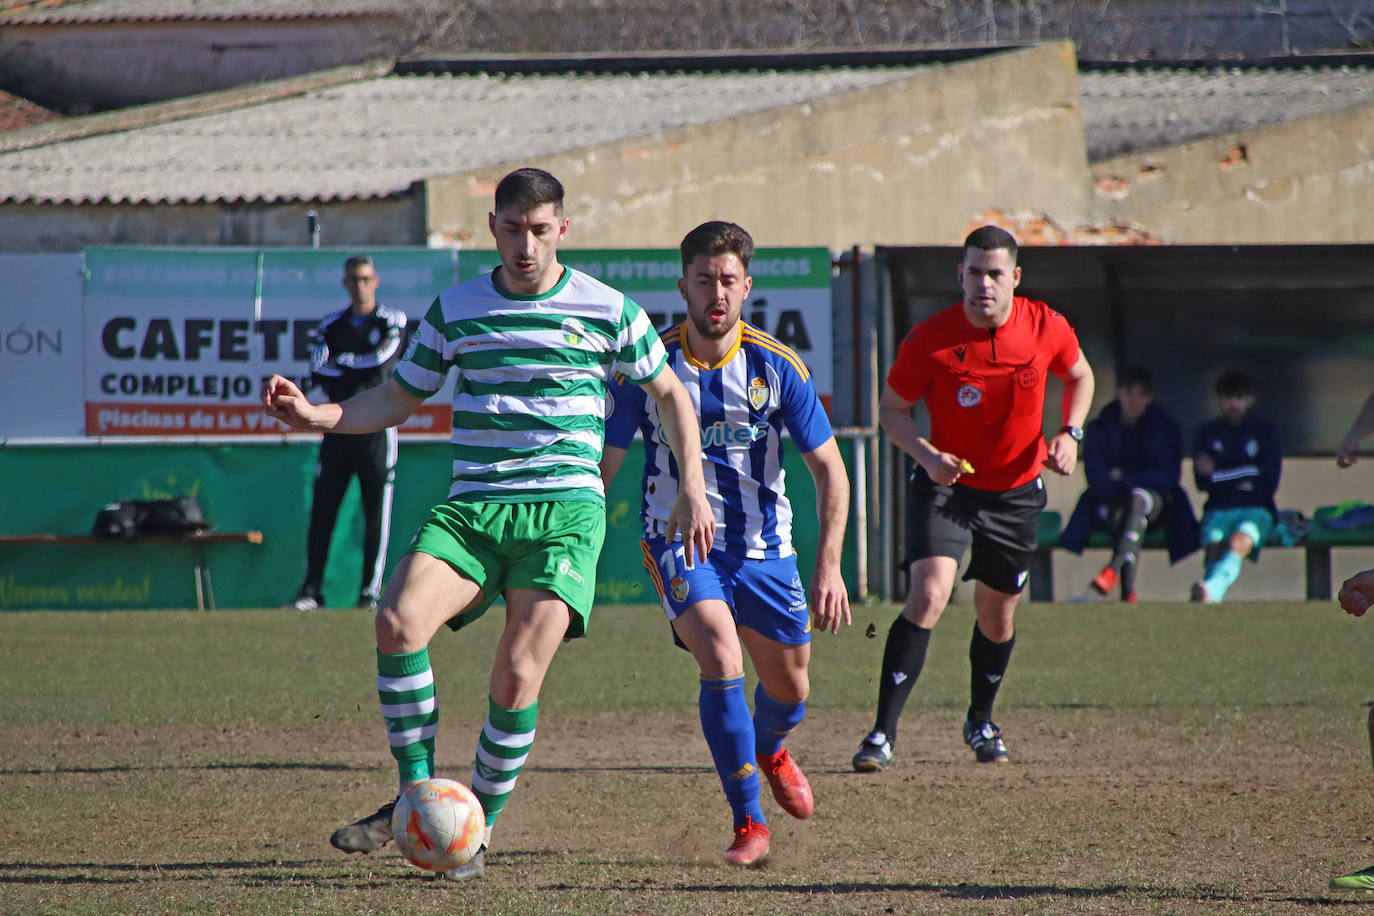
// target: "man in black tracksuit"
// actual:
[[354, 350]]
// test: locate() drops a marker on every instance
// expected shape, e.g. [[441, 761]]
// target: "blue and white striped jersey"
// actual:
[[743, 403]]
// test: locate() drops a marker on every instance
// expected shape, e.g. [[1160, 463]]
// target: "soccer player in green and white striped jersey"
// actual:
[[534, 345]]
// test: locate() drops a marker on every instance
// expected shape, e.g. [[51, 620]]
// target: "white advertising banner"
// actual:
[[179, 342], [41, 335]]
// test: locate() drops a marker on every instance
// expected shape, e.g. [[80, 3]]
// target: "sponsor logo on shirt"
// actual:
[[720, 434], [969, 396]]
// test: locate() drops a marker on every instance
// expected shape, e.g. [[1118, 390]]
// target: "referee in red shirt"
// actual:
[[981, 368]]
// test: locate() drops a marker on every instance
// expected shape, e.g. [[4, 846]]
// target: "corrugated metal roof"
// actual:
[[375, 137], [1127, 110], [89, 11]]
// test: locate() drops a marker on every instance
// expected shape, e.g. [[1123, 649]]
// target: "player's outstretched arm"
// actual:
[[829, 595], [1363, 426], [1062, 454], [894, 415], [691, 515], [1357, 594], [366, 412]]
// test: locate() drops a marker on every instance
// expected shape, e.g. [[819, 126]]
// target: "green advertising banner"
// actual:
[[261, 487], [790, 298]]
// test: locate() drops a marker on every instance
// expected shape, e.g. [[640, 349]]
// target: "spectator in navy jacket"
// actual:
[[1133, 458], [1236, 462]]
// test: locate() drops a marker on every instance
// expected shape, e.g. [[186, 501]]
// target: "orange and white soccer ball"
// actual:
[[438, 824]]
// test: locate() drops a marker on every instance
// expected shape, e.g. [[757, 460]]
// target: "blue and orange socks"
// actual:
[[774, 720], [729, 732]]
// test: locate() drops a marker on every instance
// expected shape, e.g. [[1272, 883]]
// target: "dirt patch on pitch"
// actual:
[[1097, 813]]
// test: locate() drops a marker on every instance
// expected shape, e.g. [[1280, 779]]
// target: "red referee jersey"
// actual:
[[985, 387]]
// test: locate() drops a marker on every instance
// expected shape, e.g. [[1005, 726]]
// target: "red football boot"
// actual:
[[751, 843], [790, 788]]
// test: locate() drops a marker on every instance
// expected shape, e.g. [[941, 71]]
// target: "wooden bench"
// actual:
[[1317, 547], [205, 593]]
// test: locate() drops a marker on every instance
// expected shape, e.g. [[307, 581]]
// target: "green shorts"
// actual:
[[546, 545], [1254, 521]]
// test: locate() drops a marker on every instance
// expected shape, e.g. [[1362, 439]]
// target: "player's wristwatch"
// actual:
[[1075, 432]]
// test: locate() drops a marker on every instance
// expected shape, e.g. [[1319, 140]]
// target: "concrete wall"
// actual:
[[115, 64], [36, 228], [910, 162], [1309, 181]]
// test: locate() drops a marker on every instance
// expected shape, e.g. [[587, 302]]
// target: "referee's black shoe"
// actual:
[[986, 740], [875, 753]]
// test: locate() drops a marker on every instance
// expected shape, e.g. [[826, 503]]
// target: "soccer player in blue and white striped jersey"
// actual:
[[747, 594], [535, 346]]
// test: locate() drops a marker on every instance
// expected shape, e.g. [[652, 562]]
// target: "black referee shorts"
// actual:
[[1002, 527]]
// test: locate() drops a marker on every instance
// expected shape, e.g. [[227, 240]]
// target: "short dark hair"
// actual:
[[717, 237], [991, 238], [1135, 377], [1233, 384], [358, 260], [529, 188]]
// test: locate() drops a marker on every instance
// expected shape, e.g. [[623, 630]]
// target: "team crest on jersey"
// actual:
[[758, 392], [969, 396], [679, 589], [1027, 376], [573, 331]]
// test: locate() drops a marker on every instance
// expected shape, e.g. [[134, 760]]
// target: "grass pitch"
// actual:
[[1166, 759]]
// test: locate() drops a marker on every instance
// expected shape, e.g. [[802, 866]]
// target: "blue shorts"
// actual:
[[766, 596], [1219, 525]]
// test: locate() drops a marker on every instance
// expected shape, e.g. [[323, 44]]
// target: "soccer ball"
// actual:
[[438, 824]]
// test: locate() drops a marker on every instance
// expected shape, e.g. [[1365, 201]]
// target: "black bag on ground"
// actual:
[[132, 518]]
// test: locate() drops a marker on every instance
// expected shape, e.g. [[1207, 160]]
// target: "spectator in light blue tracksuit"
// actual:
[[1236, 462]]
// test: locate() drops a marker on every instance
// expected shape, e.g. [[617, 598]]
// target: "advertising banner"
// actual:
[[40, 345], [790, 297], [179, 342], [266, 487]]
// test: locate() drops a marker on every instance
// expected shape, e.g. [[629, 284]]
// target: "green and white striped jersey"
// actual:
[[530, 404]]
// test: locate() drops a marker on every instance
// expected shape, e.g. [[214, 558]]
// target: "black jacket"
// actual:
[[1149, 455], [351, 356], [1247, 459]]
